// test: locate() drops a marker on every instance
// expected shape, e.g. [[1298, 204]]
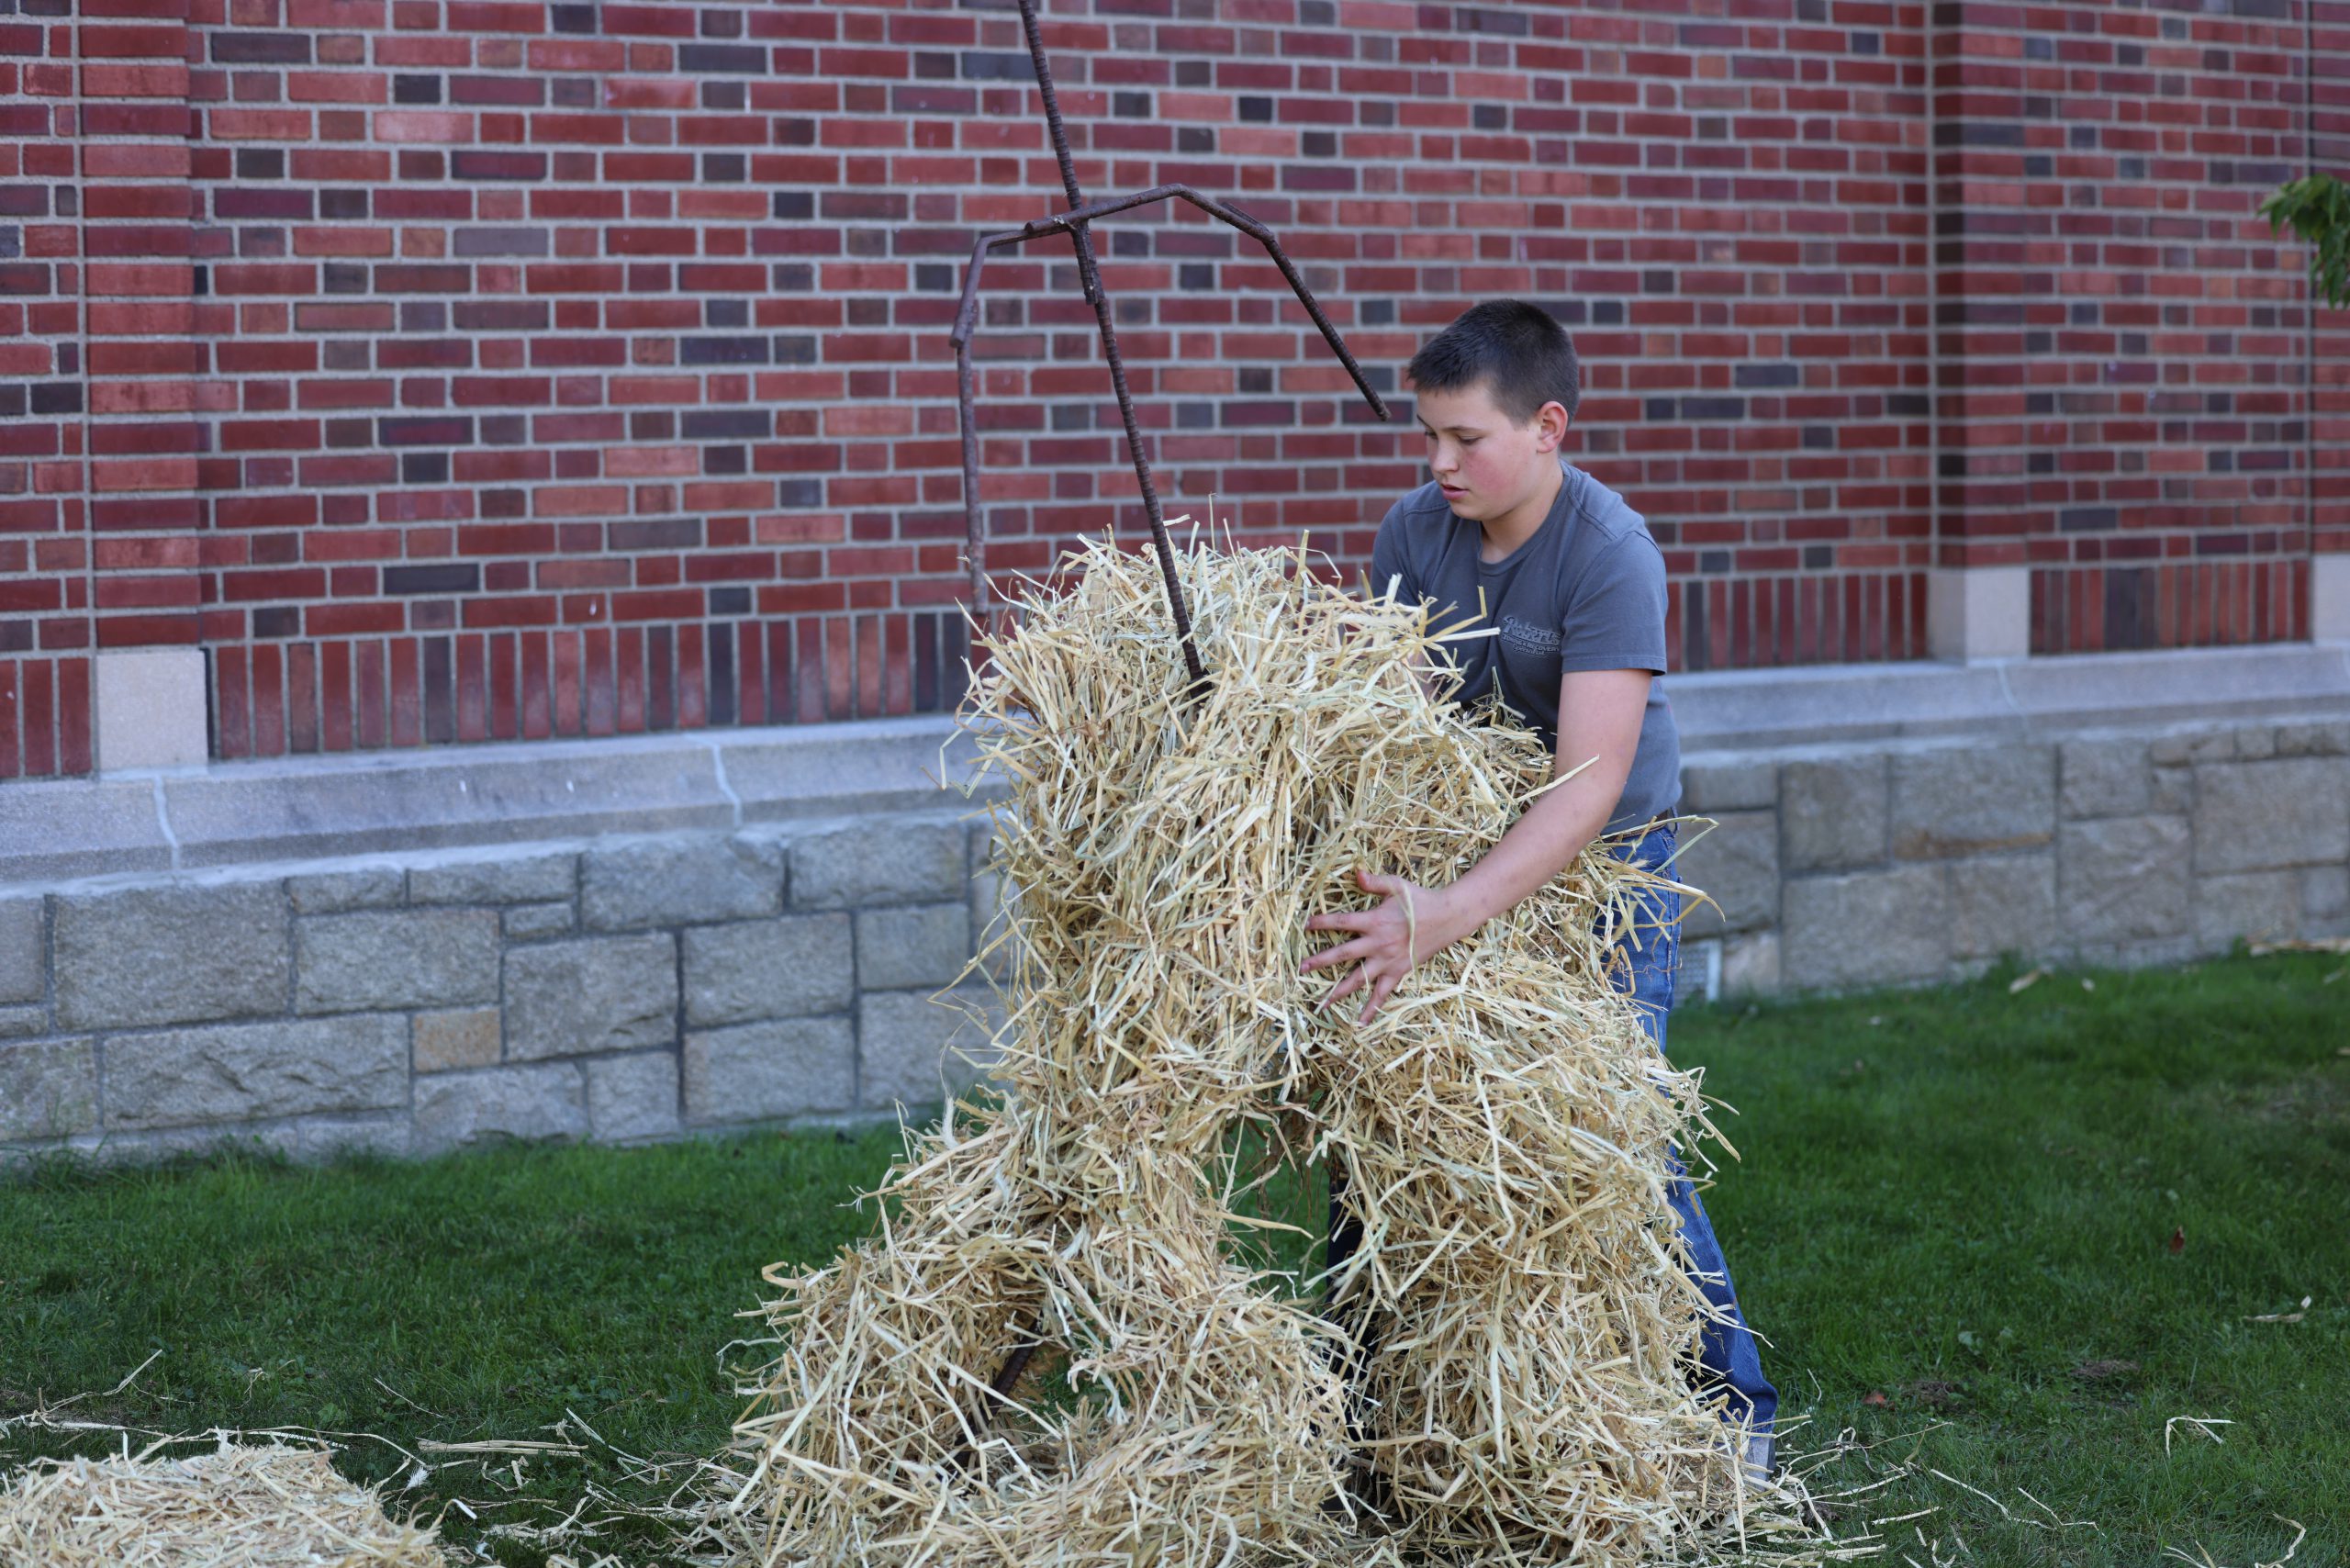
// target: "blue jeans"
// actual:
[[1728, 1356]]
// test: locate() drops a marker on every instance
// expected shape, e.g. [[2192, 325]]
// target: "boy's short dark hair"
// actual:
[[1525, 355]]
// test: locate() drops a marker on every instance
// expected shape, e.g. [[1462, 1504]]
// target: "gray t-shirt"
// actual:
[[1587, 592]]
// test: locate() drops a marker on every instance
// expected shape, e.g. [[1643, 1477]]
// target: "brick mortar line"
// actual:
[[1238, 161], [1265, 33], [2314, 310], [1930, 30], [84, 466], [1893, 64]]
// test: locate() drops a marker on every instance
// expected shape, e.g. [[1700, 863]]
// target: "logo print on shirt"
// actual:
[[1528, 637]]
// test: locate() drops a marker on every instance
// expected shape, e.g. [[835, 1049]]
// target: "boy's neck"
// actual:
[[1503, 535]]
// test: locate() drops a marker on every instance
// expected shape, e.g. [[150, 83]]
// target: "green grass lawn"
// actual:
[[2006, 1236]]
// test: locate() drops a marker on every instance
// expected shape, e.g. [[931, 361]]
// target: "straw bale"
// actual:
[[242, 1505], [1504, 1123]]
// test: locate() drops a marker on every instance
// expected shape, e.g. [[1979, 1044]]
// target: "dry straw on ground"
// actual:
[[1504, 1123], [241, 1505]]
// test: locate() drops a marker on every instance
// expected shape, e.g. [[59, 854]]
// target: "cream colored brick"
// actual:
[[446, 1041]]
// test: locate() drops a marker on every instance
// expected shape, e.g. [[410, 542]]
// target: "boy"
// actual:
[[1575, 585]]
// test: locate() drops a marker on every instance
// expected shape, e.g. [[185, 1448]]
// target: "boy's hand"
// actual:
[[1407, 925]]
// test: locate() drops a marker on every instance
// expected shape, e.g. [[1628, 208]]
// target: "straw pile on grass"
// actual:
[[242, 1505], [1503, 1123]]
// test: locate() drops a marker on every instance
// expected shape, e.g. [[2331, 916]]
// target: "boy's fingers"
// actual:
[[1338, 920], [1340, 954], [1345, 988], [1378, 995]]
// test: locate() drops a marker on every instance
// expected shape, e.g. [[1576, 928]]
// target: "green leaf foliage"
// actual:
[[2318, 210]]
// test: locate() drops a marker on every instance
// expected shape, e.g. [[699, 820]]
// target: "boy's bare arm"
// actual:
[[1599, 731], [1424, 671]]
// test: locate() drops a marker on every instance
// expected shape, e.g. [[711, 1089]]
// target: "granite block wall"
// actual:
[[1866, 865], [619, 989], [630, 988]]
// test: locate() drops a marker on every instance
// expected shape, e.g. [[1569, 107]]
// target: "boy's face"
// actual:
[[1488, 463]]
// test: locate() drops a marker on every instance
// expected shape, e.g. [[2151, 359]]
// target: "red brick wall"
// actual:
[[453, 371], [2329, 149], [44, 515], [2127, 354]]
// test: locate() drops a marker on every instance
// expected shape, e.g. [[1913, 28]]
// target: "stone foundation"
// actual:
[[1875, 865], [649, 938], [620, 990]]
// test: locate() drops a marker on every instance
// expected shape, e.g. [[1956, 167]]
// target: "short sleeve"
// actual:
[[1614, 617], [1390, 559]]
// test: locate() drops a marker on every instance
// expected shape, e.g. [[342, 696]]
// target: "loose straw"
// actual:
[[241, 1506]]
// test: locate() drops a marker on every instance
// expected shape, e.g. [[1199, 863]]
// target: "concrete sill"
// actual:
[[291, 808], [1828, 705], [295, 809]]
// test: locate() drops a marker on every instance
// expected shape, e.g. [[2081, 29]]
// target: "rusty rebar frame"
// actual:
[[1076, 223]]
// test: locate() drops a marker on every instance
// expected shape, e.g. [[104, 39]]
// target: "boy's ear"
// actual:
[[1552, 420]]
